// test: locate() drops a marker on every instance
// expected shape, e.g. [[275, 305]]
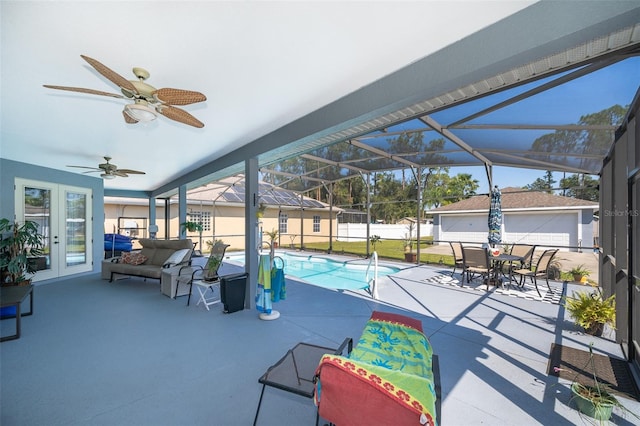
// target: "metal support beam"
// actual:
[[182, 211], [251, 231]]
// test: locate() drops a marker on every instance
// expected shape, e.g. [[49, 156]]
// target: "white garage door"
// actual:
[[553, 229], [545, 229], [469, 228]]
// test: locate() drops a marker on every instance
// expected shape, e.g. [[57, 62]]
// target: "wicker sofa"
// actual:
[[155, 257]]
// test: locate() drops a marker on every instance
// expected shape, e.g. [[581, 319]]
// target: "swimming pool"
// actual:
[[325, 272]]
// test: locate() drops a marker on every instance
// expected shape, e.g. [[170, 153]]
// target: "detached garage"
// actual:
[[527, 218]]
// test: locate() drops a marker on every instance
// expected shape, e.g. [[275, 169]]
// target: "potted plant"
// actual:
[[211, 268], [591, 311], [594, 400], [374, 240], [217, 249], [191, 226], [407, 243], [273, 234], [18, 244], [580, 273]]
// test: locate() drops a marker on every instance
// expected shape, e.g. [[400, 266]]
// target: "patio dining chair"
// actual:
[[476, 264], [526, 252], [458, 261], [541, 269]]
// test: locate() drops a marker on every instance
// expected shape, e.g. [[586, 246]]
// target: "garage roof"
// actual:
[[517, 199]]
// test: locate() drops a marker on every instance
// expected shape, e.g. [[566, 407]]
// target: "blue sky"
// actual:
[[565, 104]]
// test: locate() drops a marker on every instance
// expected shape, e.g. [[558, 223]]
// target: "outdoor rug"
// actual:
[[574, 365], [528, 291]]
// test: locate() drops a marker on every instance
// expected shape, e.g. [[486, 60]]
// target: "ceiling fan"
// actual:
[[147, 100], [109, 170]]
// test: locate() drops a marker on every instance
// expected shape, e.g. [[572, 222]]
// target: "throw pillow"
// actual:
[[177, 257], [133, 258]]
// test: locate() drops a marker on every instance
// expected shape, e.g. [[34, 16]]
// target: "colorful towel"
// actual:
[[263, 294], [390, 369], [279, 289]]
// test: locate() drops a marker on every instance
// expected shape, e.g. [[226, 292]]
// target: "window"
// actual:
[[316, 223], [203, 218], [284, 218]]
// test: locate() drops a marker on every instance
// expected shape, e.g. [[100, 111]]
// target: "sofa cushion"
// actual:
[[158, 251], [177, 257], [133, 258]]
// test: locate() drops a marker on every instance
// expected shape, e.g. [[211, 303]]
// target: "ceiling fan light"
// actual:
[[140, 112], [107, 176]]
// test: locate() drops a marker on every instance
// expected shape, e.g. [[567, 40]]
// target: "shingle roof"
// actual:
[[517, 199]]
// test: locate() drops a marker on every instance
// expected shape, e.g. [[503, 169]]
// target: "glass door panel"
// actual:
[[75, 248], [35, 202]]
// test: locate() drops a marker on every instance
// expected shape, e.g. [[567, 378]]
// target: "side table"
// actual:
[[203, 287], [14, 296]]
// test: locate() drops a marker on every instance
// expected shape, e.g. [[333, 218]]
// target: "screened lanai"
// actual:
[[550, 100], [558, 113]]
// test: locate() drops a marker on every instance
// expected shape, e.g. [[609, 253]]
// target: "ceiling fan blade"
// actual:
[[119, 173], [178, 96], [130, 172], [82, 90], [111, 75], [180, 115], [128, 119]]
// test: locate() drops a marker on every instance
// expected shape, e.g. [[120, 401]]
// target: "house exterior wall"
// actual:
[[221, 221]]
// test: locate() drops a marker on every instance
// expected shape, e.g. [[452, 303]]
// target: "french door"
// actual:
[[64, 216]]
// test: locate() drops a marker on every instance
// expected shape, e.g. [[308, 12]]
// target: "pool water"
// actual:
[[325, 272]]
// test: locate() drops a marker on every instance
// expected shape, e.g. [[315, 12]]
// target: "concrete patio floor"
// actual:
[[99, 353]]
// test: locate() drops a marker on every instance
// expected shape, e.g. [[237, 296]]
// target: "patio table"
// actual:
[[498, 262], [14, 296]]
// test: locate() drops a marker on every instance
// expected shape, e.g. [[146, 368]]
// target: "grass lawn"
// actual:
[[386, 249]]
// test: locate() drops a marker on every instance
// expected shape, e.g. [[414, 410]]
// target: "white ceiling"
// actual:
[[261, 65]]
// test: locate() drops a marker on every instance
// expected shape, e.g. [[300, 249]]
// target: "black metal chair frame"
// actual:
[[196, 272], [305, 379], [541, 268], [458, 259]]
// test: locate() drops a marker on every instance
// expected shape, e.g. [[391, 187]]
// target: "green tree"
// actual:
[[436, 181], [581, 186], [543, 184], [584, 142], [461, 186], [391, 201]]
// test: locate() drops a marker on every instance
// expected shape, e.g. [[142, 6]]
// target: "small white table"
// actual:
[[204, 287]]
